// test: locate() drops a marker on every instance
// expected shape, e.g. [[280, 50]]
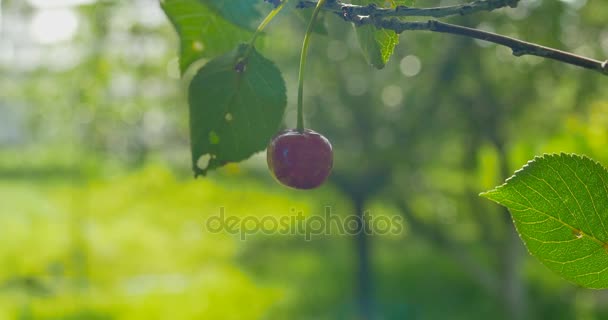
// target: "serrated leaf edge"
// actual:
[[535, 160], [531, 162]]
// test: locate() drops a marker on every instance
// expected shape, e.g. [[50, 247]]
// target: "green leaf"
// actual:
[[236, 106], [243, 13], [202, 32], [559, 205], [378, 45]]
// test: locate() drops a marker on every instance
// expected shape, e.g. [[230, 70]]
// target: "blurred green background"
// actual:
[[100, 217]]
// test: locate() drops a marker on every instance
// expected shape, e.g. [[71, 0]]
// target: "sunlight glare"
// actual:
[[50, 26], [58, 3]]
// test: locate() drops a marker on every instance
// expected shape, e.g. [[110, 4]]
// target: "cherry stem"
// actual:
[[315, 13]]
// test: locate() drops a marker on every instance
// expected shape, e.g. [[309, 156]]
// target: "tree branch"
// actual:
[[350, 10], [371, 14], [519, 47]]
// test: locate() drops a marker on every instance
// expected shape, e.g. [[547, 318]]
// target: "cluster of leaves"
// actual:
[[237, 99]]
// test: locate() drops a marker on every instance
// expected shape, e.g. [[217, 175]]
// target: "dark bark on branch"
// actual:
[[519, 47], [377, 17]]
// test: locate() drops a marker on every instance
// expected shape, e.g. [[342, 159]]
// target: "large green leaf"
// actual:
[[240, 12], [378, 45], [559, 205], [236, 106], [203, 33]]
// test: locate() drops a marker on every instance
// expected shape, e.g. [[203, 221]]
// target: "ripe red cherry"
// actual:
[[301, 160]]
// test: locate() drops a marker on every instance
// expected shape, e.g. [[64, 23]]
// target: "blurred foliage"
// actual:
[[129, 248], [100, 218]]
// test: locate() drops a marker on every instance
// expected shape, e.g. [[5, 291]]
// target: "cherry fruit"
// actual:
[[301, 160]]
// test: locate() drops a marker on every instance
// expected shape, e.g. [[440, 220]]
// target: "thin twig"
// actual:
[[519, 47], [350, 10]]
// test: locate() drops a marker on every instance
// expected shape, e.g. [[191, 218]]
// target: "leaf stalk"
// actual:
[[263, 25]]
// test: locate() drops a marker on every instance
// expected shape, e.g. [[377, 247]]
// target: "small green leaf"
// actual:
[[237, 102], [378, 45], [243, 13], [203, 33], [559, 205]]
